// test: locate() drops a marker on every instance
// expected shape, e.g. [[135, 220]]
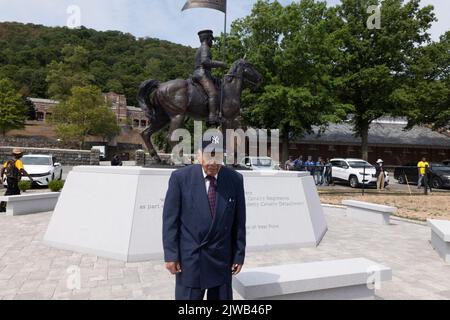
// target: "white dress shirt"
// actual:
[[207, 182]]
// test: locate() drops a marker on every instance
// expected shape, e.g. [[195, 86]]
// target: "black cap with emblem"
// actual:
[[213, 144]]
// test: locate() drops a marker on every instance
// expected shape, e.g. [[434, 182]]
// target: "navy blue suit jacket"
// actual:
[[205, 247]]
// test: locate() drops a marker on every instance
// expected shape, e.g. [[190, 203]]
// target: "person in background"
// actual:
[[289, 165], [428, 178], [309, 165], [13, 170], [298, 163], [116, 161], [319, 171], [421, 168], [328, 173], [380, 175]]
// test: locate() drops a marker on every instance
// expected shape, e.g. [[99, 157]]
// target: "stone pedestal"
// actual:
[[140, 158], [116, 212], [440, 237], [349, 279]]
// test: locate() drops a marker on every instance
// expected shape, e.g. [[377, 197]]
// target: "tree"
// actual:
[[372, 64], [63, 76], [112, 60], [292, 48], [427, 93], [13, 112], [85, 113]]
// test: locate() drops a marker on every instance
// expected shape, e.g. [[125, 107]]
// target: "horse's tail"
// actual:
[[146, 103]]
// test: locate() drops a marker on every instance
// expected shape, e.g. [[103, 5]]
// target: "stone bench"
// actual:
[[30, 203], [369, 212], [440, 237], [326, 280]]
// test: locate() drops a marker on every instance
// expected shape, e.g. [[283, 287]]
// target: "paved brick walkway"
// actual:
[[31, 270]]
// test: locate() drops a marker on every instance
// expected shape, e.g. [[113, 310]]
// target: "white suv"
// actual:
[[352, 171], [259, 164]]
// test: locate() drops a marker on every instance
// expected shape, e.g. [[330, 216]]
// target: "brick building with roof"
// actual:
[[126, 115], [388, 140]]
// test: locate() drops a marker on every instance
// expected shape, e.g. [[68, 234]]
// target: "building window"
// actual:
[[135, 123], [39, 116], [143, 123]]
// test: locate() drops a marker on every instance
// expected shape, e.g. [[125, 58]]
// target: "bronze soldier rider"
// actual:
[[202, 74]]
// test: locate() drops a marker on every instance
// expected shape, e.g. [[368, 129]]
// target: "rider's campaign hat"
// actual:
[[205, 33]]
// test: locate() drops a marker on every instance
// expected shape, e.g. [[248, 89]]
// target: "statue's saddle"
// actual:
[[196, 91]]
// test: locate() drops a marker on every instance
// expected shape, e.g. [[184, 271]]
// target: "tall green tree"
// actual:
[[427, 93], [372, 64], [13, 112], [292, 48], [71, 72], [85, 113]]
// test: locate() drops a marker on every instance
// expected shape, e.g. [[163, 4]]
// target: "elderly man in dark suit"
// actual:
[[204, 226]]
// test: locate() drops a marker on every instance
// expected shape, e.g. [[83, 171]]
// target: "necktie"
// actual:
[[212, 194]]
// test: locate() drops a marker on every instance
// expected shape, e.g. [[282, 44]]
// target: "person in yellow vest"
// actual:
[[422, 170], [13, 170]]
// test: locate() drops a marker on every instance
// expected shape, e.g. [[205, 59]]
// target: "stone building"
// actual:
[[126, 115], [388, 140], [43, 107]]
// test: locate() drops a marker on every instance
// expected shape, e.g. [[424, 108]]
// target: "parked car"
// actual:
[[440, 174], [259, 163], [42, 168], [102, 150], [355, 172]]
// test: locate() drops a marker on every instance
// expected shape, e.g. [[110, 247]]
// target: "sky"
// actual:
[[161, 19]]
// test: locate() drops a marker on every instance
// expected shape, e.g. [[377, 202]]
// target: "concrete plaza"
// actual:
[[31, 270]]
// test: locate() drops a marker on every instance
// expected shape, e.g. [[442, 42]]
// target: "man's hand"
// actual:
[[173, 267], [236, 269]]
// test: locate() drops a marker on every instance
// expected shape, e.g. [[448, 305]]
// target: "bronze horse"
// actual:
[[173, 101]]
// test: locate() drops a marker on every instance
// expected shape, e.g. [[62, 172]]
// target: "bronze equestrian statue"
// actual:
[[173, 101]]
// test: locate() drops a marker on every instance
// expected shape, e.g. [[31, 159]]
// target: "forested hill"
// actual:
[[112, 60]]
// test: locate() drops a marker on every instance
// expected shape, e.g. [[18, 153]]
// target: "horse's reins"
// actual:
[[240, 77]]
